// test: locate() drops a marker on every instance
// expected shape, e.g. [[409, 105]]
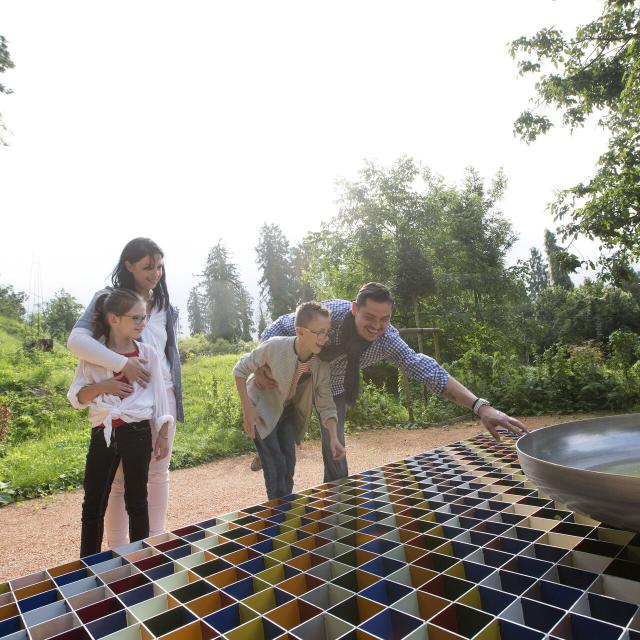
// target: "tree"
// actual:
[[595, 70], [561, 263], [60, 314], [227, 302], [262, 321], [196, 312], [276, 282], [5, 63], [536, 274], [479, 235], [590, 312], [413, 277], [245, 312], [460, 231], [12, 302], [300, 261]]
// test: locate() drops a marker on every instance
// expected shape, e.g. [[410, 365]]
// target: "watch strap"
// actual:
[[479, 402]]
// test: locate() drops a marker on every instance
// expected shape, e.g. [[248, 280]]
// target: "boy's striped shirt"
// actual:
[[301, 369]]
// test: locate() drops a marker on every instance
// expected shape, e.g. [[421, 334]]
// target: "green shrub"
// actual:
[[375, 408], [564, 379], [624, 347], [201, 345]]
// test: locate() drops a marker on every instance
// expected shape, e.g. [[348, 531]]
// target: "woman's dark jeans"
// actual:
[[130, 443]]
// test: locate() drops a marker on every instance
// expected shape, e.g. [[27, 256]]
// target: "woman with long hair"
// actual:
[[139, 269]]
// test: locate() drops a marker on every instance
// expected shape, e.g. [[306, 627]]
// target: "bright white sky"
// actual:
[[192, 121]]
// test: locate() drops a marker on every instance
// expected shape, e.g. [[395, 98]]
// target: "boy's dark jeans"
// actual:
[[130, 443], [334, 469], [278, 456]]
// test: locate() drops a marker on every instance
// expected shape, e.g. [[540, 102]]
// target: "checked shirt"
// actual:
[[389, 346]]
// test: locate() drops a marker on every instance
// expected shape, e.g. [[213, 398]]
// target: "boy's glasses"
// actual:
[[138, 319], [323, 333]]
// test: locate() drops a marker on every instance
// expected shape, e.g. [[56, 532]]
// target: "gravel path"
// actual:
[[42, 533]]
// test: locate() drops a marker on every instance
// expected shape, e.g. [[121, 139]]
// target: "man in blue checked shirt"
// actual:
[[361, 334]]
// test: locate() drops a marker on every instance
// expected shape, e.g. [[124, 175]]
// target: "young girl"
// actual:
[[123, 414], [141, 269]]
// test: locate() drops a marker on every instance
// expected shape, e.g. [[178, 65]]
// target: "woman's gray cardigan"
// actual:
[[280, 355]]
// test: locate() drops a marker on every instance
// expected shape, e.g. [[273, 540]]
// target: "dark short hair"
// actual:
[[373, 291], [307, 311]]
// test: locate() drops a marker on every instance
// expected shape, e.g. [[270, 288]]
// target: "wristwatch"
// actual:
[[480, 402]]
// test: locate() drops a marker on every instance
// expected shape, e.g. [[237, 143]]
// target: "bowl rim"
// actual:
[[528, 437]]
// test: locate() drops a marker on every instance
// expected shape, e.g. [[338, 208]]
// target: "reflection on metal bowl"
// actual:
[[591, 466]]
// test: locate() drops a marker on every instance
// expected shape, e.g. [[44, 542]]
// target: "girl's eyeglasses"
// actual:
[[138, 319]]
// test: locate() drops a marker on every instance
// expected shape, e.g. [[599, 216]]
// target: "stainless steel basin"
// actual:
[[592, 466]]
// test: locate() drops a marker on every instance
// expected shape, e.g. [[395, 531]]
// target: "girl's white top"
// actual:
[[82, 344], [148, 403]]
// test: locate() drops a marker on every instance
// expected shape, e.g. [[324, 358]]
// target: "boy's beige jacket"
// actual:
[[279, 354]]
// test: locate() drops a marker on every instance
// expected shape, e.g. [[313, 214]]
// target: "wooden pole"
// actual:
[[436, 345], [407, 395], [417, 318]]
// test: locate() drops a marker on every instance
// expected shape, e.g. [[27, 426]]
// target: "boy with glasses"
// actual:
[[277, 418]]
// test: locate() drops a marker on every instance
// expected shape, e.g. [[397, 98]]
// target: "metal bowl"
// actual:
[[591, 466]]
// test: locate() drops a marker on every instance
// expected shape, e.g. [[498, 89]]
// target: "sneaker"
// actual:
[[256, 465]]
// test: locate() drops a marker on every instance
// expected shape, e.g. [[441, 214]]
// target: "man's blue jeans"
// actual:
[[335, 469]]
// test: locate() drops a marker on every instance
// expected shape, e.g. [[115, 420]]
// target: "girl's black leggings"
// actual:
[[130, 443]]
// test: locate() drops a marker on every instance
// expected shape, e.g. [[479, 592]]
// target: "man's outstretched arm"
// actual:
[[426, 370], [491, 418]]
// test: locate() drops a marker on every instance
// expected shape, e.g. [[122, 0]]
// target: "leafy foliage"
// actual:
[[5, 63], [624, 346], [595, 70], [12, 302], [200, 345], [561, 263], [458, 232], [590, 312], [375, 408], [564, 379], [60, 314], [535, 274]]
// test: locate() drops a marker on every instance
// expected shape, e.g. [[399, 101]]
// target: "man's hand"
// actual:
[[263, 379], [161, 447], [135, 371], [337, 450], [115, 387], [492, 419], [250, 420]]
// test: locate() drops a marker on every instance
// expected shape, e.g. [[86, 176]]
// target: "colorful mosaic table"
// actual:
[[452, 543]]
